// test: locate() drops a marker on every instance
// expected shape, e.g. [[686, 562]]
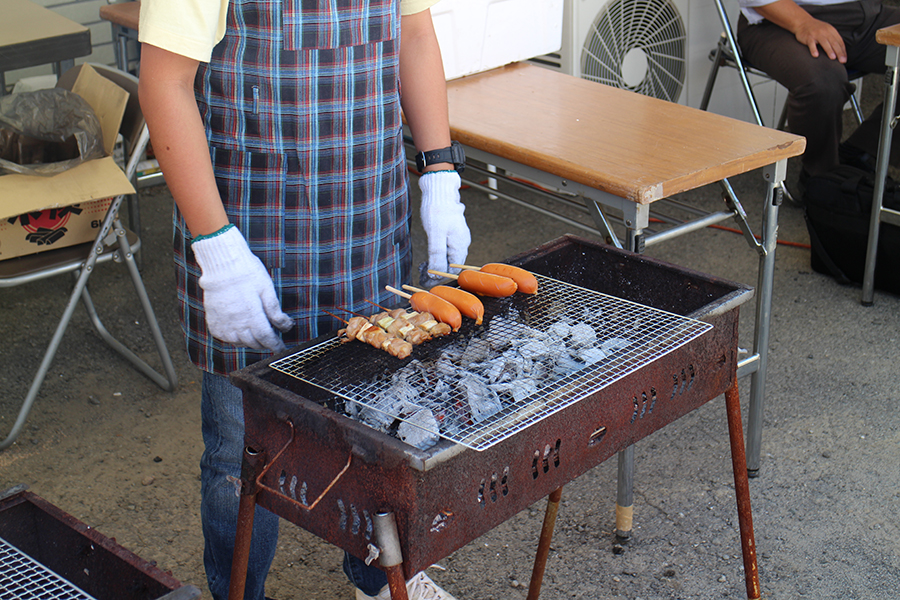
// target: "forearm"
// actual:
[[179, 140], [786, 14], [424, 88]]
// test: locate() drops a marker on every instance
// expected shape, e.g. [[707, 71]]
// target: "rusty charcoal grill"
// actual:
[[332, 475], [524, 344]]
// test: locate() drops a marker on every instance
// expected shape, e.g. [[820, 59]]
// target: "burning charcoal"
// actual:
[[615, 344], [591, 355], [420, 429], [482, 400], [566, 365], [583, 335], [560, 330], [519, 390], [477, 351]]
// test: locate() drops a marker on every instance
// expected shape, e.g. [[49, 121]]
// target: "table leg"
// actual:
[[540, 558], [742, 490], [774, 176], [884, 153]]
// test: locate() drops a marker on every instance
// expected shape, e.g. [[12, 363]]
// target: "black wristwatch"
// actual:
[[451, 154]]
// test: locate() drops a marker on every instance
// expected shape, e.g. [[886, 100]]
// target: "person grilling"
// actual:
[[277, 125]]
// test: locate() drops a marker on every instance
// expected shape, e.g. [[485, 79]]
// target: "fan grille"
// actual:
[[637, 45]]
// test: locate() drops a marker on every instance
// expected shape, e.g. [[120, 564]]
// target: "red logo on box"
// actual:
[[45, 227]]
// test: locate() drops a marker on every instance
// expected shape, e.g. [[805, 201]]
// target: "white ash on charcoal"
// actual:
[[475, 378]]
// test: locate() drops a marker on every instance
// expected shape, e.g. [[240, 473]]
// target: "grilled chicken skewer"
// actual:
[[423, 320], [398, 327], [359, 328]]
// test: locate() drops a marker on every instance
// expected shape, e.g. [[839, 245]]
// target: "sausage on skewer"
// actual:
[[468, 305], [485, 284], [442, 310], [525, 281]]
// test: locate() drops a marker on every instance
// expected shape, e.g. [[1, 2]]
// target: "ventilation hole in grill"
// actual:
[[652, 399], [634, 412], [343, 520], [534, 464], [597, 436], [494, 487], [691, 380], [546, 460], [481, 493], [675, 385], [355, 522], [369, 525], [683, 382], [293, 487], [303, 493], [556, 454], [281, 479], [643, 404], [504, 482]]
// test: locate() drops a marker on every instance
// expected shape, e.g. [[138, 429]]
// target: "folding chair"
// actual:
[[728, 54], [112, 243]]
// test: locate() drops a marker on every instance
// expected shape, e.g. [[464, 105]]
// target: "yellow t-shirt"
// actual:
[[193, 28]]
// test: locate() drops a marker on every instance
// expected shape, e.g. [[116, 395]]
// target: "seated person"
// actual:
[[807, 46]]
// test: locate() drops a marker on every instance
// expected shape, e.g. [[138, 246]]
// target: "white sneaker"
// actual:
[[420, 587]]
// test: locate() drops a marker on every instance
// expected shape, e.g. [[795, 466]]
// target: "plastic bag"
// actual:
[[46, 132]]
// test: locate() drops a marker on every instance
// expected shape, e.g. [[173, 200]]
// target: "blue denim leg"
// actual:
[[223, 436], [369, 579]]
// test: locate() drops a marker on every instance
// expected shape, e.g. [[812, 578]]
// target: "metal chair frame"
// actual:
[[113, 243]]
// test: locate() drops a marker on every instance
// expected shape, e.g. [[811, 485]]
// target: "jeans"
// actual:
[[222, 415]]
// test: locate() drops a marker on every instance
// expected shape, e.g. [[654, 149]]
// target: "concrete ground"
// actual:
[[112, 449]]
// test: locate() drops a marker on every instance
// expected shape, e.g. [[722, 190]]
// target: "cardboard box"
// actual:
[[477, 35], [43, 213]]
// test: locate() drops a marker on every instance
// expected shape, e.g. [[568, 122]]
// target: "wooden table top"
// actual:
[[126, 14], [889, 36], [32, 35], [621, 142]]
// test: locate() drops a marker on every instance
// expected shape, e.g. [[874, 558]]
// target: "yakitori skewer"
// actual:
[[526, 282], [360, 329], [484, 284], [398, 326], [442, 310], [423, 320], [466, 303]]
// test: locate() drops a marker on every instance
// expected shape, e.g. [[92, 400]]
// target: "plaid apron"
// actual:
[[301, 103]]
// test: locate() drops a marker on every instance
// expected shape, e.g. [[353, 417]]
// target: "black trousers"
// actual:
[[819, 87]]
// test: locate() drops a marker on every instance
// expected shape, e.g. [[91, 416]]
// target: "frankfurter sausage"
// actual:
[[439, 308], [468, 305], [487, 284], [526, 282]]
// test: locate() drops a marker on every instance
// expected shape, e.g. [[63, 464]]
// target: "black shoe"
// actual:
[[854, 157]]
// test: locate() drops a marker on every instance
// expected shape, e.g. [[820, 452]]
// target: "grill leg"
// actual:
[[250, 468], [742, 490], [390, 558], [540, 559]]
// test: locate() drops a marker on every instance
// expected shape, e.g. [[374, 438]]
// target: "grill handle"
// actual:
[[275, 492]]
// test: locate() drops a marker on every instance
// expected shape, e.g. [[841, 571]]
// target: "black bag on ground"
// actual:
[[838, 206]]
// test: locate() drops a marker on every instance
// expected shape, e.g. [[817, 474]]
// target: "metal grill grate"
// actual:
[[23, 578], [533, 356]]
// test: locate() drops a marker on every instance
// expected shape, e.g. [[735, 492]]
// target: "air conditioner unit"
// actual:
[[659, 48]]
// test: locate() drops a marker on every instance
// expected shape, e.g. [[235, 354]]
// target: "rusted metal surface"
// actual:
[[447, 496], [742, 492], [79, 553], [543, 549]]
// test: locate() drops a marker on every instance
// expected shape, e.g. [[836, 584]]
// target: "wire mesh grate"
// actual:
[[23, 578], [533, 356]]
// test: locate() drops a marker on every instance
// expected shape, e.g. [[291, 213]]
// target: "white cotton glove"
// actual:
[[238, 293], [443, 220]]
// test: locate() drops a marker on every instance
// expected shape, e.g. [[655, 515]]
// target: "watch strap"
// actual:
[[452, 154]]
